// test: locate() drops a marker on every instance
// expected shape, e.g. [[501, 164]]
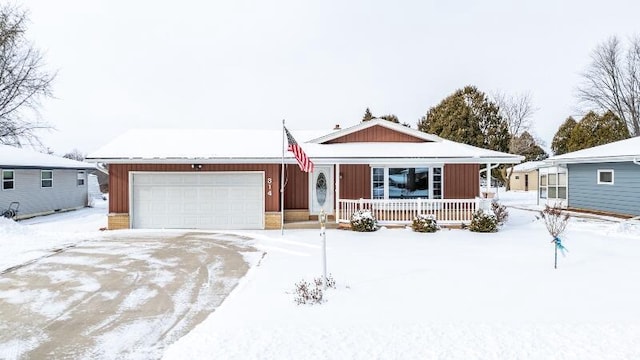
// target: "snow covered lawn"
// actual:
[[448, 295], [404, 295]]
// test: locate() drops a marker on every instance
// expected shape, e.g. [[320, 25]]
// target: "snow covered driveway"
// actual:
[[125, 295]]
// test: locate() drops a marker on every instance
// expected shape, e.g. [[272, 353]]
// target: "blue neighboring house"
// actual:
[[40, 184], [604, 178]]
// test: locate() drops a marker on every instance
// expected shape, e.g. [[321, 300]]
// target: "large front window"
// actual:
[[406, 182]]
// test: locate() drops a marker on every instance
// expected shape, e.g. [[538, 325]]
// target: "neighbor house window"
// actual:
[[406, 182], [80, 181], [46, 178], [543, 186], [8, 179], [553, 185], [605, 177]]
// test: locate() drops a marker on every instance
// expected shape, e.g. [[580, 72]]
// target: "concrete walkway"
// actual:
[[122, 297]]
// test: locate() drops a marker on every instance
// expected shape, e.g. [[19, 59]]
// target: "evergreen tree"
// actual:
[[594, 130], [527, 146], [467, 116], [560, 143], [367, 115], [390, 117]]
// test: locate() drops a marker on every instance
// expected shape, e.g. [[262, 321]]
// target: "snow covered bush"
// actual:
[[500, 212], [312, 293], [424, 223], [483, 222], [363, 221]]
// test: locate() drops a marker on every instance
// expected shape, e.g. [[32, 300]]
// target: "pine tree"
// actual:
[[527, 146], [390, 117], [560, 143], [594, 130], [469, 117], [367, 115]]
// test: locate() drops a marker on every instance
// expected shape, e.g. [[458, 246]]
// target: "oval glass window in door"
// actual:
[[321, 189]]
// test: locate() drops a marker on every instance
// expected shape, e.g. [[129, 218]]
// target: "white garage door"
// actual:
[[233, 200]]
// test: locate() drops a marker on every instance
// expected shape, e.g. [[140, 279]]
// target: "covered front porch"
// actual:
[[403, 211], [395, 195]]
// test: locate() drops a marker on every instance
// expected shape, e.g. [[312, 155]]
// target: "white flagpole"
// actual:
[[282, 185]]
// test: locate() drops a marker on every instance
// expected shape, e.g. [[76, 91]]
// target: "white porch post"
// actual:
[[488, 183], [337, 175]]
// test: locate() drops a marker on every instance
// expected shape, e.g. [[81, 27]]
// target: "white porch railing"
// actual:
[[402, 211]]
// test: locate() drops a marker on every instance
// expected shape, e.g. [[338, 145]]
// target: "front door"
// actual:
[[321, 190]]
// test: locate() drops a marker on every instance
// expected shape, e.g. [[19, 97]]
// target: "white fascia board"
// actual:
[[192, 160], [589, 160], [291, 160]]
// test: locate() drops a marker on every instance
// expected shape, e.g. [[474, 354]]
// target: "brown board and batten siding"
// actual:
[[461, 181], [296, 188], [375, 134], [119, 180], [355, 181]]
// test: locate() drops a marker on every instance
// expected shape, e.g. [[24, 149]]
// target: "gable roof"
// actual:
[[16, 158], [372, 123], [618, 151], [266, 146]]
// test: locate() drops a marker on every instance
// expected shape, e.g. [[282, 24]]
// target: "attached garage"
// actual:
[[197, 200]]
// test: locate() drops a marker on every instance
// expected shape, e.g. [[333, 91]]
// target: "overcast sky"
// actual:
[[250, 64]]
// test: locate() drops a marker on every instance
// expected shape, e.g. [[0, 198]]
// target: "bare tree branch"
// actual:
[[612, 81], [23, 81], [517, 110]]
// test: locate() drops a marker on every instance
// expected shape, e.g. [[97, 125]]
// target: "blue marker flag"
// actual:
[[560, 246]]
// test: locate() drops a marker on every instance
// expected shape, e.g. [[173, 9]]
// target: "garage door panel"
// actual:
[[198, 200]]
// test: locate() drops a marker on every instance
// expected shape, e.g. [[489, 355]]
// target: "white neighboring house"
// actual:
[[39, 184]]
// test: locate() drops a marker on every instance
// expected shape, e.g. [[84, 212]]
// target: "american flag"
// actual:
[[303, 161]]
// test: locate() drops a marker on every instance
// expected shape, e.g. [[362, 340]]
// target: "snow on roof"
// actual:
[[623, 150], [529, 166], [253, 145], [376, 122], [199, 144], [13, 157]]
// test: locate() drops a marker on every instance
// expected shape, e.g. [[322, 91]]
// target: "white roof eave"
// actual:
[[588, 160], [317, 160]]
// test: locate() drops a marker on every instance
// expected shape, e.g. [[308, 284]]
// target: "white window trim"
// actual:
[[386, 178], [83, 178], [13, 179], [556, 186], [612, 177], [43, 179]]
